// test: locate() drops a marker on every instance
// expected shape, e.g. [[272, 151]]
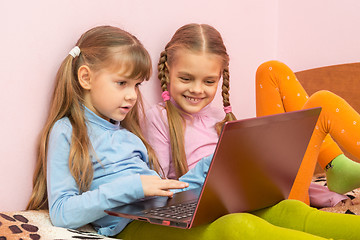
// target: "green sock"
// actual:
[[344, 175]]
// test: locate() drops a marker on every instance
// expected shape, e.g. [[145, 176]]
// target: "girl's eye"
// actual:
[[138, 84], [121, 83], [210, 82], [184, 78]]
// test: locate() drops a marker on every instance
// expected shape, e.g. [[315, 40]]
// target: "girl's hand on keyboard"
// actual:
[[155, 186]]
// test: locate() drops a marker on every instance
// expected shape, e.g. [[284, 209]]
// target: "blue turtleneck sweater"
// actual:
[[121, 158]]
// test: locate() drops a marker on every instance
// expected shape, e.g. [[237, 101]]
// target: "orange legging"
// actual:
[[278, 91]]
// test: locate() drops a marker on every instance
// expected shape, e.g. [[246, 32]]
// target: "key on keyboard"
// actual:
[[178, 212]]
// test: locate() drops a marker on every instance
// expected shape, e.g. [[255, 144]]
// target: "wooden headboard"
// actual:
[[343, 80]]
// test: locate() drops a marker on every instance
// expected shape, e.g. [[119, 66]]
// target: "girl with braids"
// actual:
[[183, 131], [189, 69], [184, 128]]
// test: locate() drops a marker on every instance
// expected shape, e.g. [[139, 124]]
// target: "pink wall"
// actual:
[[318, 33], [36, 35]]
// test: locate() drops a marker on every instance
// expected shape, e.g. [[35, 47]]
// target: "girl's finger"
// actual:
[[164, 193], [173, 184]]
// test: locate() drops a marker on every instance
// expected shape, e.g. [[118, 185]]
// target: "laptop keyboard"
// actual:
[[178, 212]]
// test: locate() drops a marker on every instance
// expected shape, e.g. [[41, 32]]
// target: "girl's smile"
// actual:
[[193, 100], [194, 79]]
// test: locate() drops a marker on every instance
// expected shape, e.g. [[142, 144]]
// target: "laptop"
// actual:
[[254, 166]]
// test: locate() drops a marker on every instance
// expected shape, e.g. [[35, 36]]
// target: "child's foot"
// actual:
[[343, 174]]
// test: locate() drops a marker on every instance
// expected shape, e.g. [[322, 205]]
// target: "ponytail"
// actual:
[[132, 123], [63, 104]]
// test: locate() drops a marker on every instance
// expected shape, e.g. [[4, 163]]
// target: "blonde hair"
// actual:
[[198, 38], [100, 47]]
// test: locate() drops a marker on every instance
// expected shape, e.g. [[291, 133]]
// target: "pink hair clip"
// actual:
[[165, 96], [227, 109]]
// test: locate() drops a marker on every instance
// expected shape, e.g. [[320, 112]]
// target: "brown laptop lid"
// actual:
[[255, 163]]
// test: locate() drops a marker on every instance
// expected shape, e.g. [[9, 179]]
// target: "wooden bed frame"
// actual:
[[344, 80]]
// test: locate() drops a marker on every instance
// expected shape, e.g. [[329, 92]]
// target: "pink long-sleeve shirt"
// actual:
[[200, 135]]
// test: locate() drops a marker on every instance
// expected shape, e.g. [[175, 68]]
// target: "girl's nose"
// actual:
[[131, 94], [196, 87]]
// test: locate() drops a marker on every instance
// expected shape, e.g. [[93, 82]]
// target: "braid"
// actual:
[[225, 87], [176, 122], [162, 70], [226, 100]]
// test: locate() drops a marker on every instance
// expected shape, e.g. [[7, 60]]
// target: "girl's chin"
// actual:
[[193, 109]]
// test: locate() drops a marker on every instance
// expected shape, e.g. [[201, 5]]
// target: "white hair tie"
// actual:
[[75, 52]]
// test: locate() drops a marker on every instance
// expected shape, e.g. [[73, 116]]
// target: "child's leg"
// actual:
[[343, 123], [277, 91], [233, 226], [298, 216]]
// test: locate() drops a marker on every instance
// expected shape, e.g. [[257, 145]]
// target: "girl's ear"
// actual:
[[84, 75]]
